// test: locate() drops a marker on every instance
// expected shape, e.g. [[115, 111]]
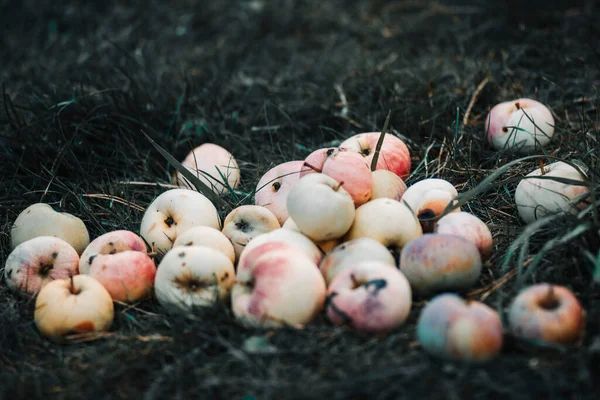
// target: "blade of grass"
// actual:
[[380, 142]]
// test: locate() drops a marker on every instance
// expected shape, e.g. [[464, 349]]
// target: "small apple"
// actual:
[[320, 207], [393, 155], [40, 219], [213, 165], [522, 125], [247, 222], [370, 297], [288, 236], [536, 198], [436, 262], [469, 227], [191, 277], [354, 252], [547, 313], [73, 305], [281, 286], [209, 237], [172, 213], [388, 221], [273, 188], [387, 184], [35, 262], [415, 193], [452, 328]]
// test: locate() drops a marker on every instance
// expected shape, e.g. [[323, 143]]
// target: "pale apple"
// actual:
[[414, 194], [470, 227], [326, 246], [387, 184], [244, 223], [209, 237]]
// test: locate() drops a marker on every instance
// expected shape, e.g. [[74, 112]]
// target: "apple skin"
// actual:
[[387, 184], [110, 243], [314, 162], [326, 246], [279, 287], [59, 311], [415, 193], [354, 252], [320, 207], [273, 188], [436, 262], [244, 223], [40, 219], [470, 227], [393, 156], [370, 297], [288, 236], [504, 117], [536, 198], [172, 213], [193, 277], [454, 329], [432, 206], [546, 313], [209, 159], [38, 261], [388, 221], [209, 237]]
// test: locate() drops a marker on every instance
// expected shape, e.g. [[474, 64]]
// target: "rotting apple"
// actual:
[[36, 262], [244, 223], [209, 237], [172, 213], [321, 208], [436, 262], [547, 313], [78, 304], [40, 219], [522, 125], [452, 328], [415, 193], [281, 286], [370, 297], [393, 156], [192, 277]]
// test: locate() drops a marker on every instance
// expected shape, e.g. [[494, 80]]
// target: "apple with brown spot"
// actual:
[[244, 223]]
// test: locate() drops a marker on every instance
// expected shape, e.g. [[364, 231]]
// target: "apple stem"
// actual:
[[72, 288], [311, 167], [550, 301], [339, 186], [542, 166], [518, 106]]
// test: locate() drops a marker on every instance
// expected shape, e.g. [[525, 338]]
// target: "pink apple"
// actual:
[[469, 227], [273, 187], [393, 156], [280, 287], [369, 296], [35, 262], [522, 125]]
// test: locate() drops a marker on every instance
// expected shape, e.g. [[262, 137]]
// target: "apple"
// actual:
[[119, 261], [288, 236], [546, 313], [320, 207], [469, 227], [325, 245], [388, 221], [393, 155], [452, 328], [35, 262], [432, 205], [315, 161], [415, 193], [193, 277], [247, 222], [522, 125], [370, 297], [280, 287], [436, 262], [209, 237], [172, 213], [213, 165], [345, 167], [536, 198], [273, 188], [40, 219], [354, 252], [387, 184], [73, 305]]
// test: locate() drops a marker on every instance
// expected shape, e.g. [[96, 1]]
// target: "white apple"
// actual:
[[191, 277], [387, 184], [247, 222], [325, 245], [172, 213], [289, 236], [35, 262], [414, 193], [206, 236], [73, 305], [40, 219], [320, 207]]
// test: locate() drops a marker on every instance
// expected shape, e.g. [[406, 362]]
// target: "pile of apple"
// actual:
[[335, 234]]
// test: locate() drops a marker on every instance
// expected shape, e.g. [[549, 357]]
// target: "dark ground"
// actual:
[[80, 82]]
